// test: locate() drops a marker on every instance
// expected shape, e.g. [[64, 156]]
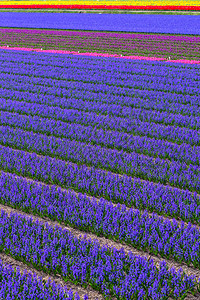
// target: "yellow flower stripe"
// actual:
[[104, 2]]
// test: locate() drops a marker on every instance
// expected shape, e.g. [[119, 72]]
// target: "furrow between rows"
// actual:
[[190, 271], [8, 260], [118, 188], [102, 218], [108, 139]]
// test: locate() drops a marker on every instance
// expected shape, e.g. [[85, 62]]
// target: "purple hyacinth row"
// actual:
[[83, 261], [149, 99], [91, 87], [101, 217], [159, 198], [124, 65], [122, 124], [159, 95], [113, 160], [96, 182], [92, 136], [129, 75], [140, 66], [96, 115], [58, 60], [183, 134], [15, 285], [117, 110], [170, 133], [114, 85], [89, 92], [67, 152], [156, 170]]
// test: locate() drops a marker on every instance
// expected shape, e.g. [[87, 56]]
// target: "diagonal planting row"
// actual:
[[93, 136], [63, 149], [75, 63], [106, 269], [116, 85], [75, 101], [98, 117], [18, 91], [165, 132], [28, 286], [190, 239], [115, 99], [124, 67], [180, 102], [160, 238], [63, 85], [141, 230], [101, 119], [156, 170], [65, 88], [128, 190], [120, 83], [129, 75]]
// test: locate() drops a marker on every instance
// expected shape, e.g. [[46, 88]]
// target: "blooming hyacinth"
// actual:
[[117, 141], [17, 285], [83, 261], [89, 142], [103, 218]]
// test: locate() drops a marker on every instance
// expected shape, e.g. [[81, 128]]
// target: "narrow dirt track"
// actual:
[[92, 294], [110, 11], [105, 241]]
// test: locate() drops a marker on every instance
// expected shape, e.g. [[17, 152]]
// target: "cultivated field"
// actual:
[[126, 44], [99, 166]]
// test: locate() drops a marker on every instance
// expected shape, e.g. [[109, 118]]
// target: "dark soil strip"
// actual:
[[97, 198], [8, 260], [93, 295], [104, 241], [108, 11]]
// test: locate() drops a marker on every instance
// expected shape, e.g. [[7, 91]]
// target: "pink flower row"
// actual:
[[103, 55]]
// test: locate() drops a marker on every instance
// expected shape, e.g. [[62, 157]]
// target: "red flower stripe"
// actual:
[[143, 7]]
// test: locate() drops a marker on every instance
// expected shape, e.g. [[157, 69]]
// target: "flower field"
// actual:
[[106, 2], [126, 44], [99, 155], [100, 177], [118, 23]]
